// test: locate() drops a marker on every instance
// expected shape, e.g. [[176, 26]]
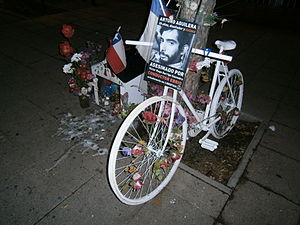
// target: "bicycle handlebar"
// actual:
[[194, 50], [212, 55]]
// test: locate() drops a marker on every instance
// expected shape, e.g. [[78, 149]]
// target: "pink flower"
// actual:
[[137, 151], [137, 185], [137, 176], [193, 66], [175, 156], [165, 164]]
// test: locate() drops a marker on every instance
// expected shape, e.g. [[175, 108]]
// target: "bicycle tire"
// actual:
[[225, 106], [139, 166]]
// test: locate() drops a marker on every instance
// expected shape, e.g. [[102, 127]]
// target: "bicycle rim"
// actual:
[[143, 159], [227, 103]]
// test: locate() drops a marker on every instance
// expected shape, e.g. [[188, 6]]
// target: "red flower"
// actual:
[[83, 76], [65, 48], [149, 117], [72, 80], [67, 30]]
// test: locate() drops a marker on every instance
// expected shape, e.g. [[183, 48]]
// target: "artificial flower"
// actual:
[[67, 30], [72, 80], [76, 57], [137, 176], [175, 156], [126, 151], [84, 91], [193, 67], [149, 117], [79, 64], [164, 163], [137, 185], [179, 119], [68, 68], [65, 48], [204, 99], [130, 169], [193, 6], [137, 151]]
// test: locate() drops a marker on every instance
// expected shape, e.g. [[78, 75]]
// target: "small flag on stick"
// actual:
[[115, 54]]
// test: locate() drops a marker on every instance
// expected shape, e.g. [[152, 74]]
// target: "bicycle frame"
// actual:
[[204, 122], [220, 66]]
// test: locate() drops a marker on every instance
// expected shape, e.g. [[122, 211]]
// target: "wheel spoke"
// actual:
[[138, 165], [226, 103]]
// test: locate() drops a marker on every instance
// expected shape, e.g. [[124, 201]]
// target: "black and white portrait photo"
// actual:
[[170, 53], [172, 47]]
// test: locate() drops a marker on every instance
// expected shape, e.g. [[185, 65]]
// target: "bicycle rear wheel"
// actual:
[[227, 103], [147, 150]]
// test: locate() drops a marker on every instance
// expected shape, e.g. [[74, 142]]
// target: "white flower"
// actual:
[[84, 91], [68, 68], [193, 6], [76, 57]]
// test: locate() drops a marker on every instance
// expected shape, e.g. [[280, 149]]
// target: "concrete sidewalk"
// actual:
[[34, 98]]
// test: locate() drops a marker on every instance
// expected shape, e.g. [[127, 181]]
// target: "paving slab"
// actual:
[[30, 195], [208, 199], [7, 17], [265, 89], [252, 204], [92, 203], [287, 115], [13, 48], [275, 172], [261, 107], [295, 83], [292, 97], [168, 208], [284, 140]]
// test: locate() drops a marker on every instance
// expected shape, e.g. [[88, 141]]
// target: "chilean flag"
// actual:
[[115, 54], [158, 8]]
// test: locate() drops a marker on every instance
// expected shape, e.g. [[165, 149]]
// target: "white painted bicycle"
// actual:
[[150, 143]]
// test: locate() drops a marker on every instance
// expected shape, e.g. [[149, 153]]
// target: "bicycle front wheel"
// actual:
[[147, 150], [226, 104]]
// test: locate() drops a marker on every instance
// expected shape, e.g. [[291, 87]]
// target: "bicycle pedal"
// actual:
[[208, 144]]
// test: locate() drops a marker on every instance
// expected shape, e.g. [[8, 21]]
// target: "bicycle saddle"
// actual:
[[225, 45]]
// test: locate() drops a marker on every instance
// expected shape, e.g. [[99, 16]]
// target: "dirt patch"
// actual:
[[220, 164]]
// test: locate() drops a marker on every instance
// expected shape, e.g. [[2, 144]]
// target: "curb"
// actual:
[[235, 177]]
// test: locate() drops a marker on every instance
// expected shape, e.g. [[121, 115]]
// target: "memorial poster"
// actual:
[[170, 52]]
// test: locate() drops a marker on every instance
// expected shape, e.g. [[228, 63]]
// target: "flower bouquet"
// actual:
[[79, 64]]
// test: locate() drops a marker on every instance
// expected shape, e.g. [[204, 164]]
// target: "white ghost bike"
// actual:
[[150, 142]]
